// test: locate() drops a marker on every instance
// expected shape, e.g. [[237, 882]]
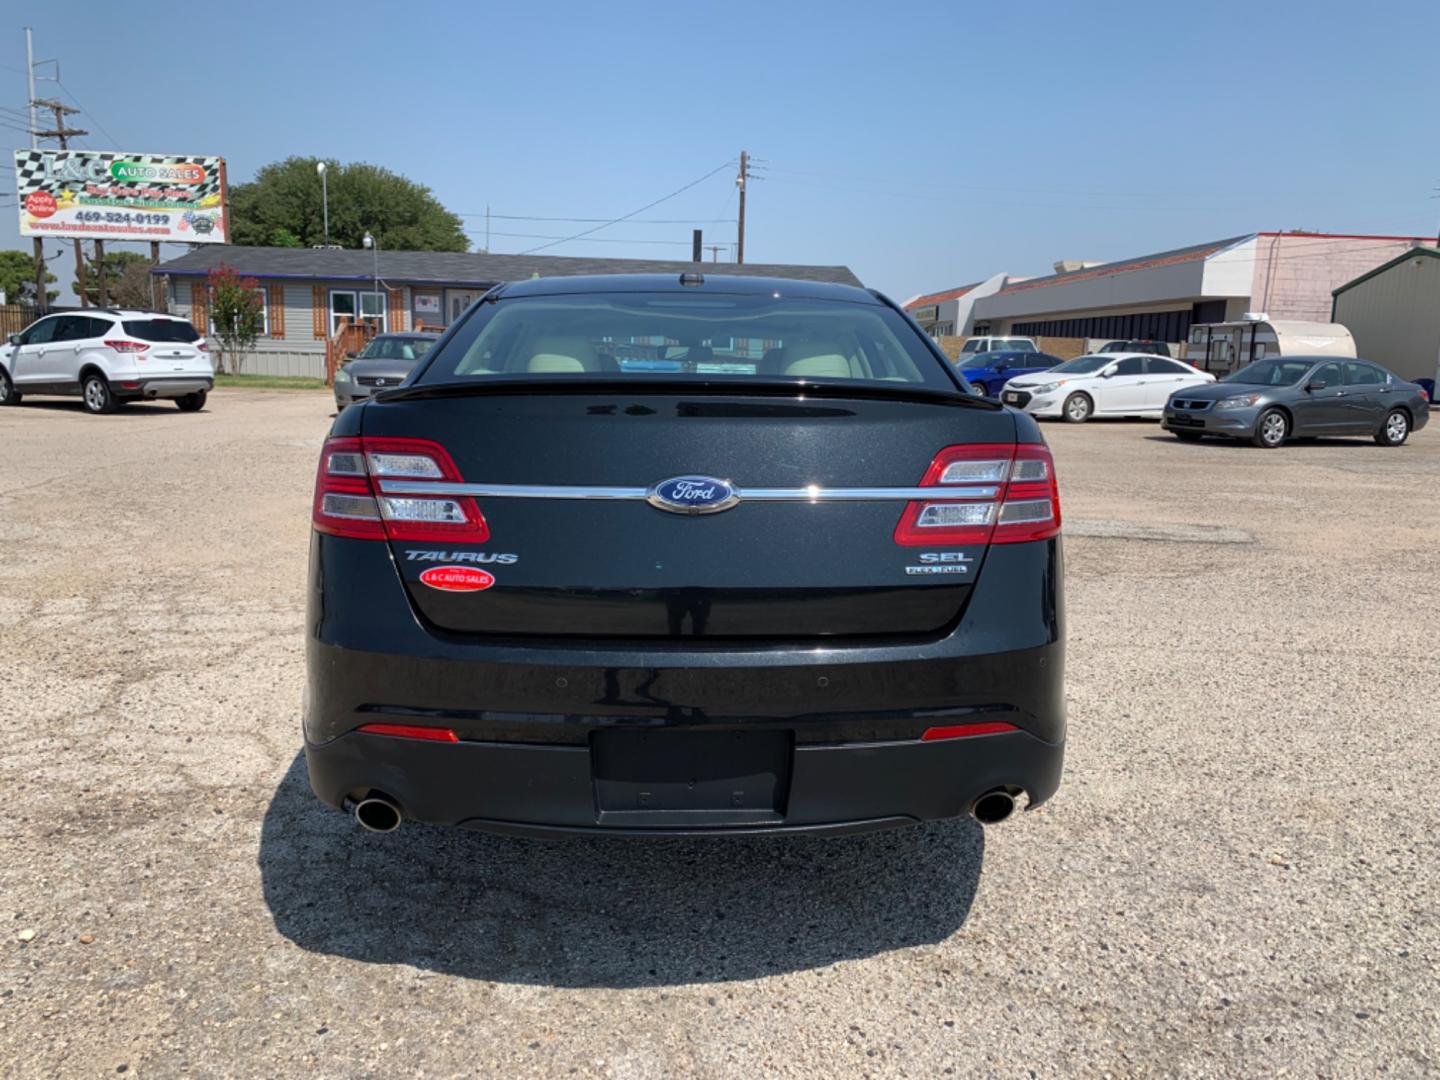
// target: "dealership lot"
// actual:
[[1237, 875]]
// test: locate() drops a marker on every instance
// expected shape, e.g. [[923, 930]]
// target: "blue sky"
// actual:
[[924, 145]]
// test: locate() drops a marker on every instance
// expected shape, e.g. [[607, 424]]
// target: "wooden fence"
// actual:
[[15, 317]]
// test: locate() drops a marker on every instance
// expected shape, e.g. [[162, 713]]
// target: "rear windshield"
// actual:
[[161, 330], [639, 335], [396, 348]]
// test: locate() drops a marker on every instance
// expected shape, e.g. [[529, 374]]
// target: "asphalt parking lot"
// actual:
[[1238, 875]]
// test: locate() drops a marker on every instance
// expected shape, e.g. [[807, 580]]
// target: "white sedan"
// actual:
[[1114, 384]]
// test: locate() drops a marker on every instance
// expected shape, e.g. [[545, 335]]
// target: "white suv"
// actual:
[[108, 356], [998, 344]]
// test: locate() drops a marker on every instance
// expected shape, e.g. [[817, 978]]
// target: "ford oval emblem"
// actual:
[[694, 495]]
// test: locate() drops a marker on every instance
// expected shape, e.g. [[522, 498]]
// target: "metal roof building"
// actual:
[[1394, 314], [1159, 296], [943, 314]]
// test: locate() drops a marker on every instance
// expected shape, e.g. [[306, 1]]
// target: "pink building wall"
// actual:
[[1296, 272]]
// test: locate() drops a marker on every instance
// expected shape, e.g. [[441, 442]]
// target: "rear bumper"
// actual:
[[528, 713], [529, 789], [168, 386]]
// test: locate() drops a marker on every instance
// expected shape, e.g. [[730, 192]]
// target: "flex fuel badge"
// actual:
[[941, 562], [458, 578]]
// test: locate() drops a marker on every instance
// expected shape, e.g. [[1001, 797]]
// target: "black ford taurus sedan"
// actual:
[[660, 555], [1271, 401]]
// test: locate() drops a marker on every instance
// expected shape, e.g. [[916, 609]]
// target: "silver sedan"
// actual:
[[382, 365], [1282, 398]]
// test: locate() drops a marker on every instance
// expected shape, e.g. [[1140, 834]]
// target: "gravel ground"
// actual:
[[1238, 875]]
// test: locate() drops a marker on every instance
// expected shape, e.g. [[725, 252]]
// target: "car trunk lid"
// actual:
[[582, 535]]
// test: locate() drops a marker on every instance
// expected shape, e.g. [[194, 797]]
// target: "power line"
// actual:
[[93, 118], [592, 220], [587, 240], [634, 213]]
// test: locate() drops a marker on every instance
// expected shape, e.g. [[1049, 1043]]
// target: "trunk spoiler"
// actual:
[[747, 387]]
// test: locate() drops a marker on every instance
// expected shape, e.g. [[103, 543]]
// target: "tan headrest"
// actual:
[[817, 359], [563, 355]]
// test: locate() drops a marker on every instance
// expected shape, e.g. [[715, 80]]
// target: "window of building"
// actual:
[[264, 314], [354, 305]]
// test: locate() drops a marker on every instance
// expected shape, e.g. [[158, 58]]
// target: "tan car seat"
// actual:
[[563, 356], [815, 359]]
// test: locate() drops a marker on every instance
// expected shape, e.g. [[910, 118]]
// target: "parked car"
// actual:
[[383, 363], [1154, 348], [1286, 397], [998, 344], [815, 590], [989, 371], [107, 357], [1127, 384]]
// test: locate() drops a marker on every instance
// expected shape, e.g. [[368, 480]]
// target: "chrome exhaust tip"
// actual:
[[993, 807], [378, 814]]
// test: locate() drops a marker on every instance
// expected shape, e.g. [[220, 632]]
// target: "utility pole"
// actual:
[[64, 135], [40, 301], [740, 180], [714, 250]]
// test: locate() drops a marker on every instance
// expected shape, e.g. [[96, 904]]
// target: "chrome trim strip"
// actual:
[[812, 494]]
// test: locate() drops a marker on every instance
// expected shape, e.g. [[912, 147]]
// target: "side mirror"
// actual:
[[14, 339], [1316, 384], [1108, 373], [351, 355]]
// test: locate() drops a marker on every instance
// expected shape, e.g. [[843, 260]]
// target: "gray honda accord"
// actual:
[[381, 365], [1282, 398]]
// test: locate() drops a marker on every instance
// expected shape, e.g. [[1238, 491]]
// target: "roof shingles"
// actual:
[[458, 268]]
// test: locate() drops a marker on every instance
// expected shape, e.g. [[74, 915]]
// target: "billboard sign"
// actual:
[[95, 195]]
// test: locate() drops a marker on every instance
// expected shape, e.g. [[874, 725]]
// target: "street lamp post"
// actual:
[[374, 245], [324, 199]]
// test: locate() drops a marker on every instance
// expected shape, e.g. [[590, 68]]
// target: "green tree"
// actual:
[[136, 287], [116, 263], [282, 207], [238, 313], [17, 278]]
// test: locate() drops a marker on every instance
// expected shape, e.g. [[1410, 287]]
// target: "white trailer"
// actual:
[[1221, 348]]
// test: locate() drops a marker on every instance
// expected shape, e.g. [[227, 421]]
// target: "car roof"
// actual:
[[711, 282]]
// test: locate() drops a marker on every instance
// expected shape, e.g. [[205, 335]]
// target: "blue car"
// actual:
[[987, 372]]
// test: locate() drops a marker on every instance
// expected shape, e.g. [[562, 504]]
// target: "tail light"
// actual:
[[123, 346], [410, 731], [202, 346], [967, 731], [985, 494], [349, 502]]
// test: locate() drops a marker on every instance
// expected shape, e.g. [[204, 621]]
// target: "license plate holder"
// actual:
[[664, 778]]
